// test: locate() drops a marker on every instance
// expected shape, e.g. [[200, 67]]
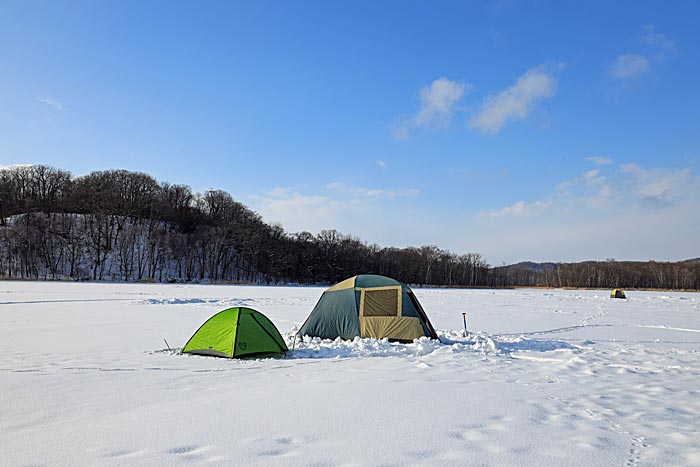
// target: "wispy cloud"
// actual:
[[437, 104], [593, 177], [520, 208], [381, 164], [591, 188], [660, 42], [658, 187], [624, 188], [627, 66], [598, 160], [623, 211], [362, 192], [515, 102], [631, 66], [637, 212], [53, 103], [297, 211], [337, 206]]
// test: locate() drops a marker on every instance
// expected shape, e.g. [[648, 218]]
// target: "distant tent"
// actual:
[[617, 293], [236, 333], [368, 306]]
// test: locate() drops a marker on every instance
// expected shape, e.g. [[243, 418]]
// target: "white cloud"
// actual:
[[53, 103], [437, 104], [628, 66], [362, 192], [597, 160], [515, 102], [520, 208], [382, 164]]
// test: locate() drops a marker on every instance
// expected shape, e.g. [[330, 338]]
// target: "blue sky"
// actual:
[[522, 130]]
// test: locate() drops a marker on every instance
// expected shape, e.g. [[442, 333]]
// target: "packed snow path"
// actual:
[[549, 378]]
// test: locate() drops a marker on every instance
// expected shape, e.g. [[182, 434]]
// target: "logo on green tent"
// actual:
[[242, 345]]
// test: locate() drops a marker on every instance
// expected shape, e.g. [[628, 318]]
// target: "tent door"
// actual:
[[380, 315]]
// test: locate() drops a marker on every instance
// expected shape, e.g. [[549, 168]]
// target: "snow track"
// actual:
[[572, 408]]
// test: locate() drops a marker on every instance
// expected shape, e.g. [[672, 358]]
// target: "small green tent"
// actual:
[[236, 333], [368, 305]]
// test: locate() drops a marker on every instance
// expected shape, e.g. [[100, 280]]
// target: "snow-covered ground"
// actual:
[[551, 378]]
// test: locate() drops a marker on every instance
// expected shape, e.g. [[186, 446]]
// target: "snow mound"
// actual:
[[451, 343]]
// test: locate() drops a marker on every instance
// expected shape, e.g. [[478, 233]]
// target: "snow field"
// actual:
[[549, 378]]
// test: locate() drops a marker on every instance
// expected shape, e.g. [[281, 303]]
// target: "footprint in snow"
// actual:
[[281, 447], [190, 452], [119, 453]]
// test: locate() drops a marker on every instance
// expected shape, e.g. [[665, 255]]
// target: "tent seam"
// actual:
[[268, 333], [235, 336]]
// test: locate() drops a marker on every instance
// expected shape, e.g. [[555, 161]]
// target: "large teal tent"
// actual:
[[235, 333], [368, 306]]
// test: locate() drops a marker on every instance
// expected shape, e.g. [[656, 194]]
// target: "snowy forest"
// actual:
[[118, 225]]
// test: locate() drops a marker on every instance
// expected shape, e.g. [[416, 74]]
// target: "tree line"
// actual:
[[125, 226], [682, 275], [121, 225]]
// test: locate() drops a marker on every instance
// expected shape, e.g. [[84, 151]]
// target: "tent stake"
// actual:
[[166, 343]]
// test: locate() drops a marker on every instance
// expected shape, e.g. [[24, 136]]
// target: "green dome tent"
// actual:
[[368, 306], [236, 333]]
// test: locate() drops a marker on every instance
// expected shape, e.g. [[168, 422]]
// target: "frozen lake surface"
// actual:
[[550, 378]]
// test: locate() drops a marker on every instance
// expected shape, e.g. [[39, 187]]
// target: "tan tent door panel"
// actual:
[[380, 301], [402, 328]]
